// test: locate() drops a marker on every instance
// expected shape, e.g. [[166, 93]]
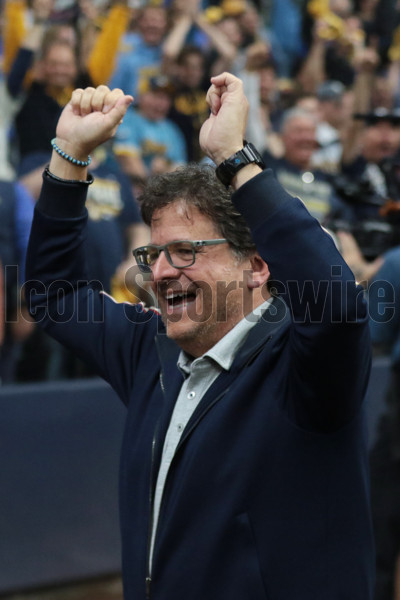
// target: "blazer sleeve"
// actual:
[[330, 349], [116, 339]]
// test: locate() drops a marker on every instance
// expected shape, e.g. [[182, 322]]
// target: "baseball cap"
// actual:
[[156, 83], [330, 90], [380, 114]]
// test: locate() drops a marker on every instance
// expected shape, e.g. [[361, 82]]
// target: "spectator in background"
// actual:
[[23, 27], [35, 122], [154, 47], [334, 118], [383, 93], [307, 101], [370, 145], [142, 51], [24, 49], [337, 36], [147, 141], [295, 170], [16, 212], [189, 108], [229, 35], [216, 32], [114, 225], [94, 37], [49, 60], [234, 58], [251, 25], [270, 95], [262, 89], [254, 31], [114, 229], [374, 163]]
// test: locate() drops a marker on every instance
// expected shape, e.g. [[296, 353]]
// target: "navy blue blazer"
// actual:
[[267, 497]]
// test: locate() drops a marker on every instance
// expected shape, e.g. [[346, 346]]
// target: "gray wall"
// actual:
[[59, 454]]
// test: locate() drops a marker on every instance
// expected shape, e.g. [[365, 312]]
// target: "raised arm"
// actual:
[[222, 134], [89, 119], [329, 337], [365, 64], [72, 309]]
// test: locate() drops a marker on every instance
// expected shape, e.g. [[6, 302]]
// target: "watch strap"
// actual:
[[227, 170]]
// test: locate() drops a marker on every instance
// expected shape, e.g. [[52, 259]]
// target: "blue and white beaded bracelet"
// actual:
[[71, 159]]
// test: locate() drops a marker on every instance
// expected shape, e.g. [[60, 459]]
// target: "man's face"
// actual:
[[153, 25], [342, 8], [299, 138], [333, 111], [191, 72], [201, 303], [230, 27], [155, 104], [381, 140]]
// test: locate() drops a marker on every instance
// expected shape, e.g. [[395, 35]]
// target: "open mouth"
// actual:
[[178, 300]]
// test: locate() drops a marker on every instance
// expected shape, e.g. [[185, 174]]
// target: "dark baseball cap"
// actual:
[[380, 114], [157, 83]]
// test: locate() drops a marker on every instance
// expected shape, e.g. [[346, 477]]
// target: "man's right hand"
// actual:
[[89, 119]]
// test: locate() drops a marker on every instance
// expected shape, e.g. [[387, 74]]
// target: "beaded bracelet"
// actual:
[[71, 159], [87, 181]]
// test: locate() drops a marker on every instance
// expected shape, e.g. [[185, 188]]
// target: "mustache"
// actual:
[[176, 287]]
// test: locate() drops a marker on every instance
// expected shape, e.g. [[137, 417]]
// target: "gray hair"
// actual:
[[294, 113]]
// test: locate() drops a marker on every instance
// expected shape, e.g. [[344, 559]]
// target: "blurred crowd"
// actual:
[[322, 79]]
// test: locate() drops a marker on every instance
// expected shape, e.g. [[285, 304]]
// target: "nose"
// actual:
[[163, 270]]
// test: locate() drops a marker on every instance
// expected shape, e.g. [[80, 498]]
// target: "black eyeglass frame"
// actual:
[[193, 243]]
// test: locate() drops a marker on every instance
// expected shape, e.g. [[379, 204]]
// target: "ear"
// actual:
[[259, 273]]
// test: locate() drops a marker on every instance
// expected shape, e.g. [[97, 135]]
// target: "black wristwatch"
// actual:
[[227, 170]]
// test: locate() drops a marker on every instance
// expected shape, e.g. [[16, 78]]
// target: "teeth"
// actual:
[[173, 295]]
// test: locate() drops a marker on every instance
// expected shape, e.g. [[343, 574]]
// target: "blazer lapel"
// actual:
[[274, 319]]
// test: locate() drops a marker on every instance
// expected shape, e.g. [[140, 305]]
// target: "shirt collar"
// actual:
[[224, 351]]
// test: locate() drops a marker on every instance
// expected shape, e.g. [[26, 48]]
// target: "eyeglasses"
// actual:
[[179, 254]]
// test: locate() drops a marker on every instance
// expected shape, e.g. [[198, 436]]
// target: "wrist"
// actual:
[[72, 149], [224, 154], [66, 170], [244, 175], [229, 171]]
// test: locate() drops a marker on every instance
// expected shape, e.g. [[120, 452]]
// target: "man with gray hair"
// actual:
[[295, 170]]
